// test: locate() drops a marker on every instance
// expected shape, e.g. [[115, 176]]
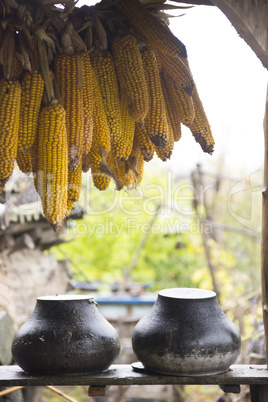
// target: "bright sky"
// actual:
[[232, 85]]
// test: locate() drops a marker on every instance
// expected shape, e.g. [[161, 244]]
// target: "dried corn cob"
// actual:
[[156, 121], [101, 133], [87, 100], [150, 29], [157, 36], [10, 97], [181, 102], [103, 64], [101, 180], [201, 128], [53, 163], [75, 183], [70, 205], [68, 74], [166, 152], [146, 145], [131, 75], [32, 87], [172, 110], [24, 162], [121, 177], [135, 163], [123, 147]]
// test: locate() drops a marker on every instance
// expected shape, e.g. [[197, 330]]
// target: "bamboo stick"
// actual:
[[264, 249], [9, 390], [62, 394]]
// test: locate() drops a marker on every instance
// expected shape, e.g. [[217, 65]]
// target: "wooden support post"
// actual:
[[264, 249], [96, 391], [259, 393]]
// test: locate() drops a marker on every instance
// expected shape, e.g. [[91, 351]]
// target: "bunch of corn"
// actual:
[[102, 88]]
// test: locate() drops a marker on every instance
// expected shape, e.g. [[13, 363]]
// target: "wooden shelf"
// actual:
[[125, 375]]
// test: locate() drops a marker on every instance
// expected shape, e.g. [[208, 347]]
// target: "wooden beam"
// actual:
[[250, 20], [123, 374], [264, 249]]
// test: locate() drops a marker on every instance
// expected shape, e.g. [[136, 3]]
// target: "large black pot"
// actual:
[[186, 333], [65, 334]]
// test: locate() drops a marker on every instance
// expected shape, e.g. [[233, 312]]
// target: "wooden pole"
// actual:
[[264, 249]]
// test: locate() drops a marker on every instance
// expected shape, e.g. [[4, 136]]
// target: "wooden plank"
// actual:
[[123, 374]]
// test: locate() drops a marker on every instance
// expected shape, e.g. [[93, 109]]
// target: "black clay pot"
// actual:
[[65, 334], [186, 333]]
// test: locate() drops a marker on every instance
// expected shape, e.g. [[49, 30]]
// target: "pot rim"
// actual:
[[56, 298], [187, 293]]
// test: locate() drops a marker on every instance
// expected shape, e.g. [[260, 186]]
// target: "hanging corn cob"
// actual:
[[172, 109], [32, 86], [166, 152], [178, 100], [120, 104], [10, 96], [74, 183], [101, 143], [103, 64], [157, 36], [68, 74], [24, 162], [53, 163], [87, 100], [131, 75], [101, 180], [156, 121], [146, 145], [201, 128], [124, 145]]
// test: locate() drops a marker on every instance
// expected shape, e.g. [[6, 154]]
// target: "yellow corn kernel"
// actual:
[[131, 75], [53, 163], [87, 100], [75, 183], [157, 35], [32, 87], [10, 98], [68, 74], [24, 162], [156, 120], [178, 101], [103, 64], [145, 144], [123, 147]]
